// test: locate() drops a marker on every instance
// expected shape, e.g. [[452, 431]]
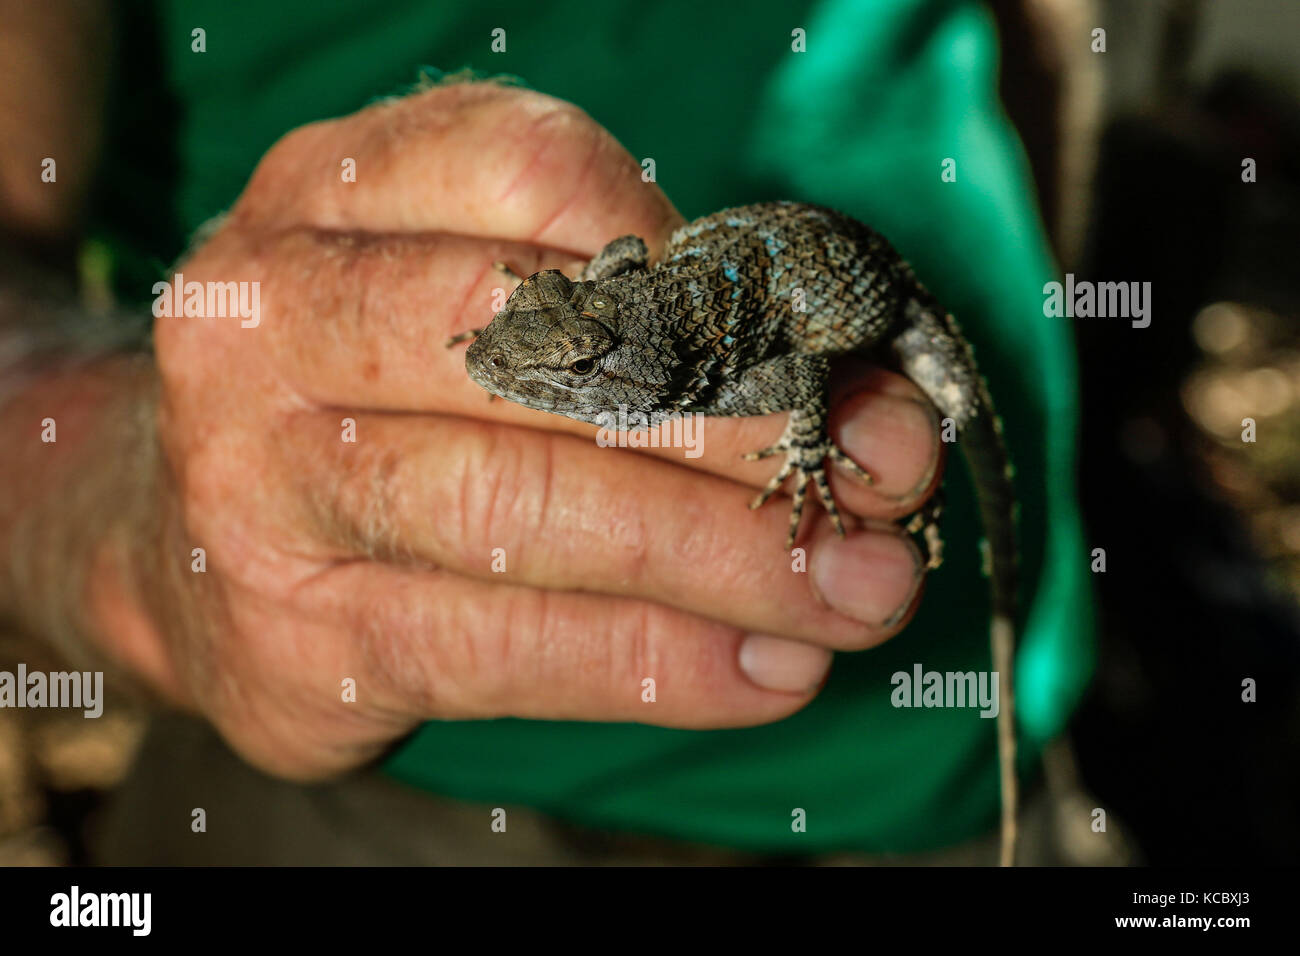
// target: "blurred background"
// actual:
[[1208, 525], [1137, 154]]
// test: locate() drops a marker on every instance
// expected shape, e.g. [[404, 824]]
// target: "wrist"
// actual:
[[117, 619], [81, 438]]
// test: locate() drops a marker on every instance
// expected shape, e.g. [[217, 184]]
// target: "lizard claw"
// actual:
[[463, 337], [849, 465], [770, 488], [507, 272], [764, 453], [805, 462], [926, 523]]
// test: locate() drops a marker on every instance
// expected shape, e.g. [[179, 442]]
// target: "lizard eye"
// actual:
[[582, 366], [599, 303]]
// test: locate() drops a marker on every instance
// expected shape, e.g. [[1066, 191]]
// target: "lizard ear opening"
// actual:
[[600, 305]]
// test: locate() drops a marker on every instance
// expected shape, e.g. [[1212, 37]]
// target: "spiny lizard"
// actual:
[[741, 316]]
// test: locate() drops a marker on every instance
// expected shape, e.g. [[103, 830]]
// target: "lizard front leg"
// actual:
[[798, 384], [621, 256], [925, 523], [470, 334]]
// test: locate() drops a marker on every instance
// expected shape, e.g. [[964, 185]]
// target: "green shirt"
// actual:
[[863, 121]]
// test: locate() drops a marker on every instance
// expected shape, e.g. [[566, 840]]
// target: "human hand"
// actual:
[[373, 559]]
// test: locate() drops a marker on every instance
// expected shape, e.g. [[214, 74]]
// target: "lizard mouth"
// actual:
[[545, 395], [490, 373], [484, 365]]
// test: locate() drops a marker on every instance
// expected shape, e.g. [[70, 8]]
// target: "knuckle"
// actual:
[[279, 168], [637, 655], [202, 482], [361, 513], [234, 530], [466, 658], [495, 496], [559, 120], [599, 651], [521, 492], [409, 683], [627, 541]]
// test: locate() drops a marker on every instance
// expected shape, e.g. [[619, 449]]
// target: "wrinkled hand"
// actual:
[[373, 559]]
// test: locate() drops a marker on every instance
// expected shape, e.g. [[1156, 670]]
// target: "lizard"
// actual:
[[741, 315]]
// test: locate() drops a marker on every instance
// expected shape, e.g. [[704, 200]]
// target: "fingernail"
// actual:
[[869, 577], [894, 438], [774, 663]]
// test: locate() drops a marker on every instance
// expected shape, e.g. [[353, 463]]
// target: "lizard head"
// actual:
[[558, 346]]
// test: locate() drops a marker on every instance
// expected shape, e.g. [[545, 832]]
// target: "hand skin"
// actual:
[[373, 560]]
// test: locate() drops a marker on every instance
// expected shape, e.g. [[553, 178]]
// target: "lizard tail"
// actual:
[[1003, 638], [987, 458], [932, 353]]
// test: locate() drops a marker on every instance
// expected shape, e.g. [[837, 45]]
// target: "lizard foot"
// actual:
[[470, 334], [506, 271], [466, 336], [926, 523], [806, 462]]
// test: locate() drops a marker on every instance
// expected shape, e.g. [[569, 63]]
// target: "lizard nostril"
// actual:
[[497, 361]]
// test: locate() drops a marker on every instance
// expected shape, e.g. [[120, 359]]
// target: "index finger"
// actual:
[[473, 158]]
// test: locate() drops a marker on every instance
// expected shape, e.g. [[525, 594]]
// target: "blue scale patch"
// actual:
[[695, 230]]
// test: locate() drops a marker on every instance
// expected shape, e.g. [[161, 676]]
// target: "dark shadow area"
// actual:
[[1190, 604]]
